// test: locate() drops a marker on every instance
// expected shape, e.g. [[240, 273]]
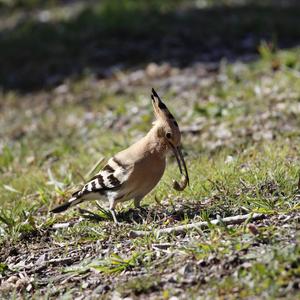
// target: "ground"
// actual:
[[74, 92]]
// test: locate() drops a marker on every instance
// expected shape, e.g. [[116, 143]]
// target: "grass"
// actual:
[[240, 132], [241, 173]]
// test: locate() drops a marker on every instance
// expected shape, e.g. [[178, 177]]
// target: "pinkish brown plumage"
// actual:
[[135, 171]]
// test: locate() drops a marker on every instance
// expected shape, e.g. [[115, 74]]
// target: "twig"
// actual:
[[61, 225], [199, 225], [63, 260]]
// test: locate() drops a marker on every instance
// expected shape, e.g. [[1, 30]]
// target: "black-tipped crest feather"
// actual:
[[154, 94]]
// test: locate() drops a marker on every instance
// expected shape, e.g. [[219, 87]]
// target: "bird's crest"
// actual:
[[171, 134], [161, 111]]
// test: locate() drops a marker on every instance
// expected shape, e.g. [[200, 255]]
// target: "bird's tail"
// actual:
[[71, 202]]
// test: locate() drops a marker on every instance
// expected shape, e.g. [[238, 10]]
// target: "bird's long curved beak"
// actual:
[[184, 165], [180, 160]]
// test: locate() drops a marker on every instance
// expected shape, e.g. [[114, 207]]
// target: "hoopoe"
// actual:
[[135, 171]]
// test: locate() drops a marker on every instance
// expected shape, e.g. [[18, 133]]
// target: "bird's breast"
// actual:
[[146, 174]]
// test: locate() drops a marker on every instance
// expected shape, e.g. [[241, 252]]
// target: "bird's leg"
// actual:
[[137, 202], [112, 211]]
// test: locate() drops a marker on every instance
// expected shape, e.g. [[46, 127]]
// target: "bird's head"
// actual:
[[168, 131]]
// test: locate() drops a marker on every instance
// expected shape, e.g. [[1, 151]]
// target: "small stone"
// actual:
[[253, 229]]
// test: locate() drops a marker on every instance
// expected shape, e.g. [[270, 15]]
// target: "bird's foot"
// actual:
[[113, 213]]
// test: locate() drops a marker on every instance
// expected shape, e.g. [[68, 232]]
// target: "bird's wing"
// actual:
[[111, 177]]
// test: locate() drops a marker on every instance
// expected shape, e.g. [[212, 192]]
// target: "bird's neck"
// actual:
[[156, 144]]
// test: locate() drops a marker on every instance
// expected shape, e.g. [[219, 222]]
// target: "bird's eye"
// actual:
[[168, 135]]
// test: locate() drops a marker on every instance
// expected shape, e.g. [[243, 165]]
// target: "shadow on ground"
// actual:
[[158, 214], [37, 54]]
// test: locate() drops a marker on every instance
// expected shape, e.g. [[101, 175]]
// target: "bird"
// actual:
[[135, 171]]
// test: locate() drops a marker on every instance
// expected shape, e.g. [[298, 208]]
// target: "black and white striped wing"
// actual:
[[110, 179], [113, 175]]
